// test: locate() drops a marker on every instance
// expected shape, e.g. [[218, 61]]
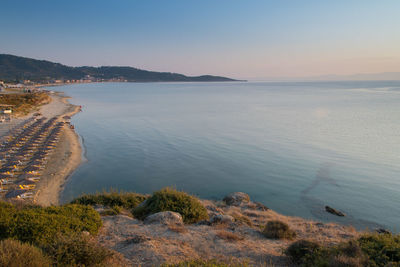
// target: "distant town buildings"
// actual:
[[29, 86]]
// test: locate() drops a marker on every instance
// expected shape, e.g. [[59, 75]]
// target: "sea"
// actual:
[[296, 147]]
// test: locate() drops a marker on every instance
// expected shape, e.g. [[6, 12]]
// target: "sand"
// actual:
[[66, 157]]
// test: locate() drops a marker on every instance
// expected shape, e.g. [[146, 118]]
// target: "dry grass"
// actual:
[[14, 253], [243, 219], [237, 240], [177, 229], [228, 236]]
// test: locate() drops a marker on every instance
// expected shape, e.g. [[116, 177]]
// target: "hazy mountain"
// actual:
[[15, 68], [388, 76]]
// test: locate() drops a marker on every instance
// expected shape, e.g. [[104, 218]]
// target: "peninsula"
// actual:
[[18, 69]]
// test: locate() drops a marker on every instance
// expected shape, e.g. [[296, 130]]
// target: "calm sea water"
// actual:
[[295, 147]]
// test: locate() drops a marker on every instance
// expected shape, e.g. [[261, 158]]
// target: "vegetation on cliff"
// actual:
[[369, 250], [112, 199], [40, 226], [51, 236], [169, 199], [67, 235]]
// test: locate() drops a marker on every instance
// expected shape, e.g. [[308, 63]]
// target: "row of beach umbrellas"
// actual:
[[24, 154]]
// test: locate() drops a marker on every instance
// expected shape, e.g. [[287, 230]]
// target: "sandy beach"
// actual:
[[65, 159], [66, 156]]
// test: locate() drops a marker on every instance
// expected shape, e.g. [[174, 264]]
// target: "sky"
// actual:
[[235, 38]]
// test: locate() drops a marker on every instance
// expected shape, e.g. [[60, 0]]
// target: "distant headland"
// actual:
[[18, 69]]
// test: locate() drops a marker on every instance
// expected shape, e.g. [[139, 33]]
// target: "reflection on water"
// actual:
[[317, 206], [296, 147], [323, 175]]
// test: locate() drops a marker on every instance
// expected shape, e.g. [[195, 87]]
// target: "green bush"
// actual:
[[40, 225], [278, 230], [303, 251], [6, 214], [169, 199], [77, 250], [382, 250], [112, 199], [13, 253], [369, 250]]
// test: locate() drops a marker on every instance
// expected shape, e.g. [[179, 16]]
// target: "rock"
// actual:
[[236, 199], [221, 218], [261, 207], [164, 217], [85, 233], [334, 212], [382, 231], [213, 208]]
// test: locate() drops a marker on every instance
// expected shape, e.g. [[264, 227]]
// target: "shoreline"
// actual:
[[64, 160]]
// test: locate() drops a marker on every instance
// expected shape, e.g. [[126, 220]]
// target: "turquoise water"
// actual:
[[295, 147]]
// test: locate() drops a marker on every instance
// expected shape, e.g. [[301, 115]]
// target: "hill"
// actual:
[[15, 68]]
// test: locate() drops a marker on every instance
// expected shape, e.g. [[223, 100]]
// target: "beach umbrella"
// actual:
[[32, 169], [15, 193], [25, 182], [26, 176]]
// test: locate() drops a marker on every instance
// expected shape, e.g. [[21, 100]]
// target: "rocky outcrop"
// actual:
[[334, 211], [237, 199], [164, 217], [233, 234], [221, 218]]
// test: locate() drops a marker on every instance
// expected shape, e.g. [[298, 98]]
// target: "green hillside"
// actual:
[[14, 68]]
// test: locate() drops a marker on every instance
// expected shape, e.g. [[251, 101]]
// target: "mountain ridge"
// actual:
[[15, 68]]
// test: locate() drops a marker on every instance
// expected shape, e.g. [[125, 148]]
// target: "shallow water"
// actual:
[[295, 147]]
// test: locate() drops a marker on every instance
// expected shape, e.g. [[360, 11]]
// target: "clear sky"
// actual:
[[236, 38]]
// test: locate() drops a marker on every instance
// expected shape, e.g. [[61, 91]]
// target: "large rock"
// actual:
[[221, 218], [164, 217], [236, 199], [334, 211]]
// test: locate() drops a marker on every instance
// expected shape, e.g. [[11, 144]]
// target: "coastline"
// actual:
[[63, 161]]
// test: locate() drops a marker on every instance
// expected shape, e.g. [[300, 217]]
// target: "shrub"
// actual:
[[350, 248], [112, 199], [346, 254], [77, 250], [346, 261], [303, 251], [6, 214], [278, 230], [382, 250], [40, 225], [13, 253], [169, 199]]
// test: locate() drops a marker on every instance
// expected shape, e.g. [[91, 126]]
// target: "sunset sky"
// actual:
[[240, 39]]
